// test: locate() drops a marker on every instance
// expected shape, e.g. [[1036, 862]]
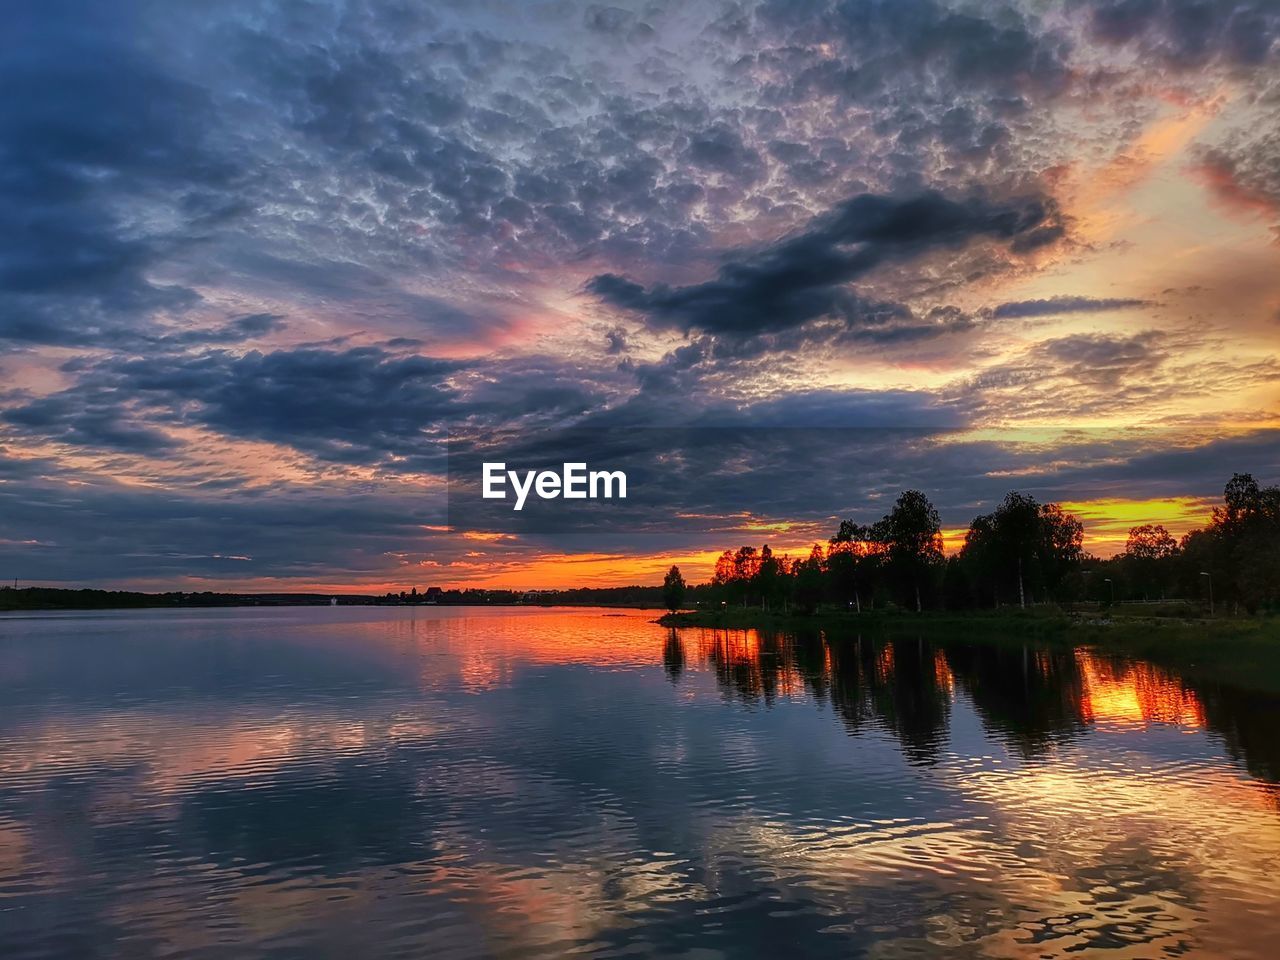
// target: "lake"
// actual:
[[461, 782]]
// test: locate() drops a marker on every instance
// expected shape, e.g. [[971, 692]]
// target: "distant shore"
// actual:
[[1243, 652], [36, 599]]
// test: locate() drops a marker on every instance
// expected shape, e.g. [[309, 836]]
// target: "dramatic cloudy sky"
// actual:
[[258, 259]]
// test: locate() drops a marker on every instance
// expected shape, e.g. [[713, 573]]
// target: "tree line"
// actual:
[[1022, 553]]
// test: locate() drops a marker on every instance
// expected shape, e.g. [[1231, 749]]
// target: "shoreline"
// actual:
[[306, 604]]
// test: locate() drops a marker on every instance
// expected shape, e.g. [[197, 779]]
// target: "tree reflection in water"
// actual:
[[1029, 697]]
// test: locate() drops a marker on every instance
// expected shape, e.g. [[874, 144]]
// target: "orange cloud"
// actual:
[[1220, 178]]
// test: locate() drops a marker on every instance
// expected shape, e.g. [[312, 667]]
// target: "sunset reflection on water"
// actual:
[[1135, 693], [518, 783]]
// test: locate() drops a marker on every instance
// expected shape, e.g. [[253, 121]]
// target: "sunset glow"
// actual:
[[262, 271]]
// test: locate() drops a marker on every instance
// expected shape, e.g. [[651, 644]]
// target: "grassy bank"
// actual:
[[1243, 652]]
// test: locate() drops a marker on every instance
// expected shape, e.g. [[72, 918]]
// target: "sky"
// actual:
[[259, 260]]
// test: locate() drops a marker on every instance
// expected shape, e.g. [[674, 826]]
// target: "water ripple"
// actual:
[[547, 784]]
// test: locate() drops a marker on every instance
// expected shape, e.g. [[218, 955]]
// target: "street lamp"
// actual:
[[1205, 574], [1112, 587]]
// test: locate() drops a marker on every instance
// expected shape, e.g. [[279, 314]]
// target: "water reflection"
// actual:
[[1032, 698], [673, 658], [538, 783]]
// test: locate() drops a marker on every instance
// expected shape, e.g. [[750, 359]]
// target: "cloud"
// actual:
[[1054, 306], [250, 326], [87, 421], [769, 188], [103, 530], [882, 40], [616, 22], [1243, 173], [108, 169], [1187, 36], [360, 406], [1074, 375], [805, 277], [1104, 360]]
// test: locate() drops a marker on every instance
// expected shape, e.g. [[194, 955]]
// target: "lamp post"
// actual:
[[1210, 579], [1112, 587]]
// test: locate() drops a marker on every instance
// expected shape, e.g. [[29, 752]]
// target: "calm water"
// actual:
[[458, 783]]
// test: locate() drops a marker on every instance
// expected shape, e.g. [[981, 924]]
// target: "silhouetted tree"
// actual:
[[912, 535], [1022, 547], [770, 584], [1146, 556], [1022, 551], [1244, 547], [810, 580], [1061, 546], [673, 589], [853, 562]]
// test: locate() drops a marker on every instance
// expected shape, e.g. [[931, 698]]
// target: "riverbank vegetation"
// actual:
[[1024, 554]]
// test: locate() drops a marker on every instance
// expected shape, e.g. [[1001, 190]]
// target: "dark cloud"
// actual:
[[351, 406], [721, 149], [91, 126], [1105, 360], [616, 22], [88, 421], [996, 48], [1094, 360], [615, 341], [805, 277], [873, 409], [1052, 306], [1188, 34], [251, 326], [95, 529], [362, 406], [348, 160], [884, 325]]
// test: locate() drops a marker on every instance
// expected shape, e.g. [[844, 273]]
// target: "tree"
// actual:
[[724, 569], [737, 573], [1147, 553], [673, 589], [853, 562], [746, 562], [912, 534], [1246, 538], [768, 577], [1241, 498], [1023, 548], [810, 580], [1150, 542], [1061, 546]]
